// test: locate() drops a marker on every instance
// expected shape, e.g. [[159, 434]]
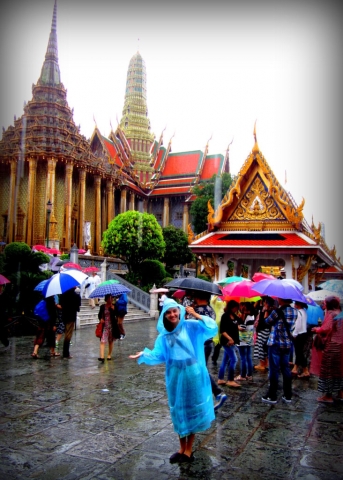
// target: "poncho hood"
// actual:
[[170, 303]]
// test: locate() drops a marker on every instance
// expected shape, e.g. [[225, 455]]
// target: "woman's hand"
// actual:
[[190, 310], [138, 354]]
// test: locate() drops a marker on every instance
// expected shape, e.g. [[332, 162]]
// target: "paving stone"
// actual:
[[82, 419]]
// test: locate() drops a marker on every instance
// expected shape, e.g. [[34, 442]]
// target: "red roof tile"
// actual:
[[182, 164], [270, 239]]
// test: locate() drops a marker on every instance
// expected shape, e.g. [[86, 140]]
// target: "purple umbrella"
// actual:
[[280, 289]]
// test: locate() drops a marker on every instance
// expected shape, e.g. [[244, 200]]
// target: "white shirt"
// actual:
[[300, 323]]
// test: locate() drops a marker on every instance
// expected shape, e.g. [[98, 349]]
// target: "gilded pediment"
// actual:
[[256, 204]]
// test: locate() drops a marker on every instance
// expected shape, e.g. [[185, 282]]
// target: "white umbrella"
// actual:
[[320, 295], [61, 282]]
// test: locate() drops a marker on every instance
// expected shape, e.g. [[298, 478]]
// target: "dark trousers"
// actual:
[[67, 337], [299, 346], [208, 349], [279, 360], [216, 352]]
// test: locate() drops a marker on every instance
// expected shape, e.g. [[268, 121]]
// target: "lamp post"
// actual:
[[48, 213]]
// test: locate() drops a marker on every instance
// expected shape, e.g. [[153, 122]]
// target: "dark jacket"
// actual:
[[230, 327], [70, 302]]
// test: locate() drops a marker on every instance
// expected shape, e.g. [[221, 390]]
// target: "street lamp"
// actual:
[[48, 213]]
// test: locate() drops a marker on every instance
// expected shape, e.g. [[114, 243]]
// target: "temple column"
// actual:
[[185, 218], [123, 201], [82, 187], [145, 206], [104, 210], [165, 221], [97, 243], [30, 206], [50, 182], [12, 203], [68, 199], [109, 201], [132, 201]]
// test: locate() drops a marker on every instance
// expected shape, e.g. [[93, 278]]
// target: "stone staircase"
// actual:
[[89, 316]]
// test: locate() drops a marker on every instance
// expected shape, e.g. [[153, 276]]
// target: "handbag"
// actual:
[[99, 329]]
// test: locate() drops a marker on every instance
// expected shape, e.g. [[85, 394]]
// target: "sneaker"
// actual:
[[286, 400], [221, 398], [122, 337], [269, 400]]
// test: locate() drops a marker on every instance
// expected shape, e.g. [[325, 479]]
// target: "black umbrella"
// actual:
[[191, 283]]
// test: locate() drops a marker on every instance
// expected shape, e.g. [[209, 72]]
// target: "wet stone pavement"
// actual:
[[81, 419]]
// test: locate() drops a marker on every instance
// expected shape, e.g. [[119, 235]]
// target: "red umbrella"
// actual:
[[3, 280], [53, 251], [90, 269], [179, 294], [262, 276], [40, 248], [72, 265]]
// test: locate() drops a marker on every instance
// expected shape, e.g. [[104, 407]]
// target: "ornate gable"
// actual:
[[257, 201]]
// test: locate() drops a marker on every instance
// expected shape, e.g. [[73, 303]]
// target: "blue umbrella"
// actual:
[[61, 282], [279, 289], [114, 289], [41, 285]]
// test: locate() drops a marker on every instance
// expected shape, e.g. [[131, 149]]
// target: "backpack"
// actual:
[[41, 311]]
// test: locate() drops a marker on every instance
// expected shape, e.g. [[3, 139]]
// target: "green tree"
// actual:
[[134, 237], [151, 272], [213, 190], [21, 267], [177, 250]]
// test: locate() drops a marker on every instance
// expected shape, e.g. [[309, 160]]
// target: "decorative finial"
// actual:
[[95, 121], [256, 147]]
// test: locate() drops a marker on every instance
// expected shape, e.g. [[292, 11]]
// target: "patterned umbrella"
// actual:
[[3, 280], [333, 286], [321, 295], [114, 289], [61, 282]]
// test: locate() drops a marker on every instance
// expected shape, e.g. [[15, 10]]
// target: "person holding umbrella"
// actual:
[[279, 346], [70, 302]]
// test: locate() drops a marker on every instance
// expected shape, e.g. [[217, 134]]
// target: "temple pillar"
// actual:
[[97, 242], [50, 182], [123, 201], [132, 201], [165, 221], [185, 218], [145, 206], [30, 206], [109, 201], [68, 199], [82, 195], [12, 203], [103, 210]]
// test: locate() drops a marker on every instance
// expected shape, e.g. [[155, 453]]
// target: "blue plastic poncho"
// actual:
[[187, 379]]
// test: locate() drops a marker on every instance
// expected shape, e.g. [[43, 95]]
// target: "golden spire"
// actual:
[[256, 147]]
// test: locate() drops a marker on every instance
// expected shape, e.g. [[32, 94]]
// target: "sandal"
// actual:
[[55, 354], [239, 378], [233, 384], [34, 355], [304, 375], [325, 400]]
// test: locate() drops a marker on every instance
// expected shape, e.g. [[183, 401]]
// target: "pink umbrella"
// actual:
[[3, 280], [90, 269], [179, 294], [81, 251], [40, 248], [53, 251], [72, 265], [262, 276], [245, 288]]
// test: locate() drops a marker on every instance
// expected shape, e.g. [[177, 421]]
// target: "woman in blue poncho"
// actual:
[[180, 345]]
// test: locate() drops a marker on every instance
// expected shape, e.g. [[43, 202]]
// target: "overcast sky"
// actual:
[[212, 69]]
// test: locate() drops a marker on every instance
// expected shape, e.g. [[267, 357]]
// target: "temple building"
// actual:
[[60, 189], [259, 227], [57, 187]]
